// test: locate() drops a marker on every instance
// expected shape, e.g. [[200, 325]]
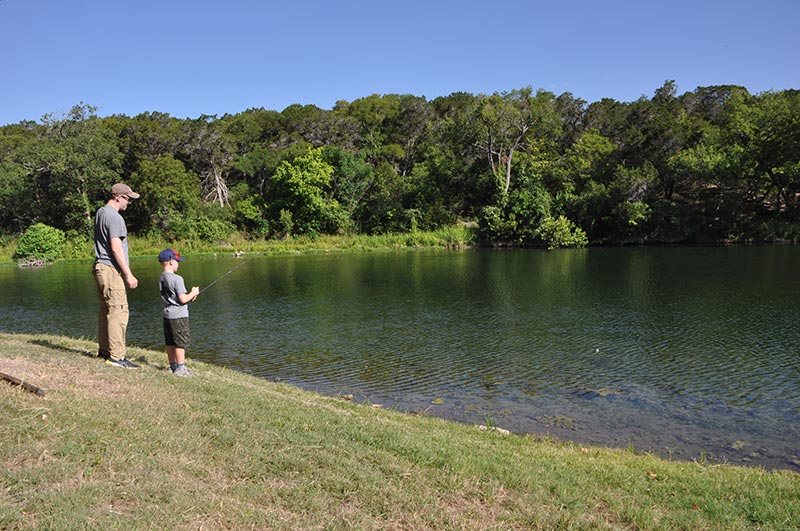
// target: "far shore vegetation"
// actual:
[[106, 448], [524, 168], [49, 245]]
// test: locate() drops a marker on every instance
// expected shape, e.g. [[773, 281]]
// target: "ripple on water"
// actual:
[[686, 350]]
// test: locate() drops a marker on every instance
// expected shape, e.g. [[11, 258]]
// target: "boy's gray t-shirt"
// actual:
[[109, 224], [171, 286]]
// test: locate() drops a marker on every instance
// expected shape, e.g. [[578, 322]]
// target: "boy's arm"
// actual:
[[186, 298]]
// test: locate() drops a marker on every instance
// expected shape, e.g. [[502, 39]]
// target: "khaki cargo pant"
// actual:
[[112, 320]]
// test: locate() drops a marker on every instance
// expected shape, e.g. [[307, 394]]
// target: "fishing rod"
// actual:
[[225, 275]]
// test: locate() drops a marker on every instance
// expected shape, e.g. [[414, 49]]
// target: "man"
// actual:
[[111, 274]]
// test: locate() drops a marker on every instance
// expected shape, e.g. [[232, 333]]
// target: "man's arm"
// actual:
[[119, 257]]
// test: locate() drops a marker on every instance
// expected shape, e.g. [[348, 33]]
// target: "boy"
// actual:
[[176, 311]]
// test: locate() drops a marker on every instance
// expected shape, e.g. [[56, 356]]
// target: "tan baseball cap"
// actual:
[[123, 189]]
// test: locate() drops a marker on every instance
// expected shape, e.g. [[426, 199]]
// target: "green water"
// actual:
[[683, 351]]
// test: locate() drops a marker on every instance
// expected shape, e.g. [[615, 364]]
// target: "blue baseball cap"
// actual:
[[169, 254]]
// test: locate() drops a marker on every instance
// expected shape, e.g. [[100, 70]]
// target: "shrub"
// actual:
[[285, 224], [250, 216], [213, 230], [40, 242], [561, 232], [493, 228], [79, 244]]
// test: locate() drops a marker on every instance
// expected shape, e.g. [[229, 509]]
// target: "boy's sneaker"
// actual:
[[125, 364], [182, 371]]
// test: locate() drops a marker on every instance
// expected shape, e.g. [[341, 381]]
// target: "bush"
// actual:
[[250, 216], [79, 244], [561, 232], [285, 224], [213, 230], [40, 242], [493, 228]]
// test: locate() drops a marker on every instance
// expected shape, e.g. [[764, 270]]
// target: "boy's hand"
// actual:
[[195, 292]]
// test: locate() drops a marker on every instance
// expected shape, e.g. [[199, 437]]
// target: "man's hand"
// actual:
[[131, 281]]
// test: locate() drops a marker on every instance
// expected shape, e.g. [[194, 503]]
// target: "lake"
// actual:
[[687, 352]]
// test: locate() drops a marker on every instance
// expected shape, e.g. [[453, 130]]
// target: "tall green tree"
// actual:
[[351, 180], [148, 136], [69, 166], [170, 194], [509, 123], [303, 188]]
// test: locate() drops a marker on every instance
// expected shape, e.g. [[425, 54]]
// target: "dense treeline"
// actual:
[[531, 168]]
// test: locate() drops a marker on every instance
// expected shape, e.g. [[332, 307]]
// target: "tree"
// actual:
[[148, 136], [70, 165], [372, 114], [456, 163], [320, 128], [352, 178], [770, 131], [210, 150], [16, 194], [408, 129], [169, 192], [507, 119], [303, 187]]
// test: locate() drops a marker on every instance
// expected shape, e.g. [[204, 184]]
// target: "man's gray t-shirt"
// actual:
[[171, 286], [108, 224]]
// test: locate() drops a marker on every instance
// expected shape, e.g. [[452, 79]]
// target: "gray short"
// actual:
[[176, 332]]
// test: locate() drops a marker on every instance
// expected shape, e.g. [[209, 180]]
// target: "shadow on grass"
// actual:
[[84, 352]]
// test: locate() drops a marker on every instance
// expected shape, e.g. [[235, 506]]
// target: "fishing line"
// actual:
[[225, 275]]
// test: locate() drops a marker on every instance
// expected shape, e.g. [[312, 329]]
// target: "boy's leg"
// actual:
[[180, 355], [171, 354], [169, 343], [177, 342]]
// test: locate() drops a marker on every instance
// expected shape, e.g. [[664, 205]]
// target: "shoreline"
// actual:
[[112, 448]]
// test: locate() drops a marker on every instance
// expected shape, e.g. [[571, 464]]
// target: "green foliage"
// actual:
[[55, 175], [40, 242], [285, 224], [382, 209], [515, 221], [352, 178], [212, 230], [714, 164], [79, 244], [206, 227], [561, 232], [250, 216], [167, 188], [303, 187]]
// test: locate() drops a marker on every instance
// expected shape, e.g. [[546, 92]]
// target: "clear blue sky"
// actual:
[[188, 58]]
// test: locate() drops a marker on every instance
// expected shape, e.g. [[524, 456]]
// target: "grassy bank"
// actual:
[[109, 448], [455, 237]]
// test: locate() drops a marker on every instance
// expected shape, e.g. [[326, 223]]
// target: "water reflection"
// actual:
[[683, 351]]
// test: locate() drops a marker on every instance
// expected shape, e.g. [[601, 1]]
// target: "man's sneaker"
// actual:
[[125, 364], [182, 371]]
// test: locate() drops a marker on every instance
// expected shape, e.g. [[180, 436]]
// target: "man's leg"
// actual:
[[102, 314], [114, 306]]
